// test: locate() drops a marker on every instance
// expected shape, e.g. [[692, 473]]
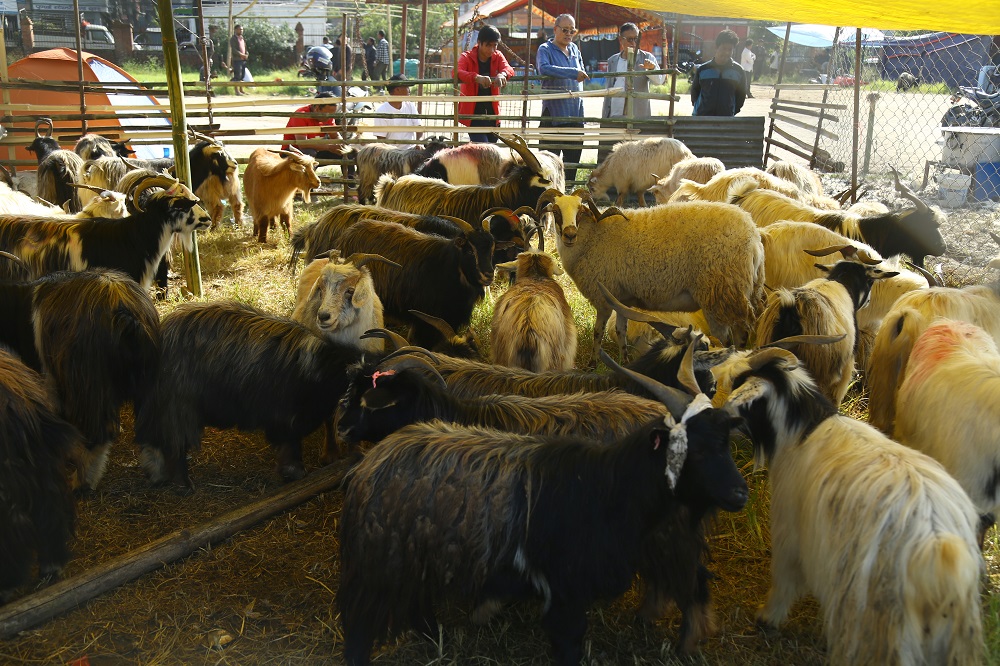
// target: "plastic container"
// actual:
[[953, 189], [986, 181], [964, 148]]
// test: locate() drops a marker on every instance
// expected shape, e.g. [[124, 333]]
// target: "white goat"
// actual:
[[949, 407], [693, 169], [632, 165], [878, 532], [336, 299]]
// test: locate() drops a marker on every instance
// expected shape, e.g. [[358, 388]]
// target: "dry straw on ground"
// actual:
[[267, 595]]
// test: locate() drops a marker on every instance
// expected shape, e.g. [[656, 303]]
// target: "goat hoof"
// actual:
[[291, 472]]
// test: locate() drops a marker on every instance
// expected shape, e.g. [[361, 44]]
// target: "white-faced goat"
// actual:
[[37, 513], [521, 531], [533, 325], [429, 196], [678, 249], [376, 159], [101, 174], [824, 306], [227, 365], [693, 169], [898, 585], [632, 166], [271, 179], [94, 329], [134, 244], [914, 231], [442, 277], [954, 369], [336, 300], [214, 179], [909, 317]]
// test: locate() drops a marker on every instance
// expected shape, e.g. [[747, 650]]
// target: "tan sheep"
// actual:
[[632, 165], [533, 325], [694, 169], [271, 180], [721, 187]]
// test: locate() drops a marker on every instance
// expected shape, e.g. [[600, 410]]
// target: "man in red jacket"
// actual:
[[483, 71]]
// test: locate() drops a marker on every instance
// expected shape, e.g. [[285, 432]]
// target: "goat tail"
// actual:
[[887, 364], [943, 600], [299, 241], [383, 189], [739, 188]]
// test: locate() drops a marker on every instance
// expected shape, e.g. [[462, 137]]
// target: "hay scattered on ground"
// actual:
[[267, 595]]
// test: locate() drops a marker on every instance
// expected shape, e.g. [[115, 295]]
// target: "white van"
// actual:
[[94, 38]]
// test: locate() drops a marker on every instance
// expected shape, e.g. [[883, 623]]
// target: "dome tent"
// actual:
[[61, 65]]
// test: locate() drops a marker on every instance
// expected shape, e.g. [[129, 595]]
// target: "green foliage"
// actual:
[[269, 45], [437, 34]]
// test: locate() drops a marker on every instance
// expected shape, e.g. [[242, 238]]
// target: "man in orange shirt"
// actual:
[[325, 103]]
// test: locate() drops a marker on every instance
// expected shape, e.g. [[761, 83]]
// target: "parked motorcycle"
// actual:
[[974, 107]]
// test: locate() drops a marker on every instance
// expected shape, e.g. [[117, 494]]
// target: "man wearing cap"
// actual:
[[560, 59], [404, 112], [325, 104], [483, 71]]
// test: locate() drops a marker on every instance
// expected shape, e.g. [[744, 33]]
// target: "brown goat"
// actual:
[[271, 180], [533, 326]]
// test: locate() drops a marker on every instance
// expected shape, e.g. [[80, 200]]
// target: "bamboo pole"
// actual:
[[388, 35], [673, 76], [68, 594], [402, 42], [454, 71], [527, 69], [79, 66], [343, 86], [203, 36], [178, 121], [423, 51], [826, 95], [857, 116], [5, 91]]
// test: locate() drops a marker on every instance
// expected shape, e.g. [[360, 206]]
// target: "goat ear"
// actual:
[[887, 274], [825, 269], [460, 241]]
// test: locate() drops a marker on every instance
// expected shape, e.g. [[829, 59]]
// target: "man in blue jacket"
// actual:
[[719, 87], [560, 58]]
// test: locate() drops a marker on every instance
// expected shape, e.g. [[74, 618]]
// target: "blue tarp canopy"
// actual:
[[821, 36], [8, 7], [937, 57]]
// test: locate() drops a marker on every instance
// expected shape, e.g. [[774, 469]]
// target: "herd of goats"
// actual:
[[517, 476]]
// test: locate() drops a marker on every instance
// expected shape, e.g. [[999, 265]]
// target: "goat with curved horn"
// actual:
[[905, 191], [359, 259], [45, 123], [519, 146], [674, 400], [635, 314], [412, 361], [848, 252], [932, 280], [397, 340]]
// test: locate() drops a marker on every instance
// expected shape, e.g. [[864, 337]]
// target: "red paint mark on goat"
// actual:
[[381, 373]]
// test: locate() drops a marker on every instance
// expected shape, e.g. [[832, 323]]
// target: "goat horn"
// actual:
[[932, 280], [674, 400], [411, 349], [506, 213], [685, 374], [518, 145], [397, 340], [92, 188], [166, 182], [198, 136], [524, 210], [996, 239], [462, 224], [332, 253], [785, 343], [547, 198], [760, 357], [7, 176], [867, 258], [47, 124], [662, 327], [611, 211], [16, 259], [827, 251], [359, 259], [906, 192], [408, 361], [129, 164], [536, 229], [443, 327], [586, 197]]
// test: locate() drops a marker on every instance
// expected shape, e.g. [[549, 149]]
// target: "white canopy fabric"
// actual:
[[820, 36]]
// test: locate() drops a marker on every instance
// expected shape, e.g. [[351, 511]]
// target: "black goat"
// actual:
[[228, 365], [134, 244], [37, 512], [57, 170], [492, 515], [95, 146], [95, 335], [442, 277]]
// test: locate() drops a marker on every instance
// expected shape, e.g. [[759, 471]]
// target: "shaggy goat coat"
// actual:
[[949, 407], [533, 325], [338, 302], [694, 169], [720, 187], [271, 182], [37, 512], [878, 532], [437, 512], [632, 166]]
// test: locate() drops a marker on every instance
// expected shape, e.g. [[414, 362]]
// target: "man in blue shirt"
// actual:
[[560, 58], [719, 87]]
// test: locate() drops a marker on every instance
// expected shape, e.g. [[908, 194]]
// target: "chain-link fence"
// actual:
[[924, 110]]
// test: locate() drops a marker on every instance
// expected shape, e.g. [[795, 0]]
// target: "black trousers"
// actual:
[[485, 137], [569, 155]]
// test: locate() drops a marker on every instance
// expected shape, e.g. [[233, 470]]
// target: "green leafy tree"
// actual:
[[271, 46]]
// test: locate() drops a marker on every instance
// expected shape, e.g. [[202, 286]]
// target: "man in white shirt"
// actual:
[[746, 62], [614, 107], [405, 113]]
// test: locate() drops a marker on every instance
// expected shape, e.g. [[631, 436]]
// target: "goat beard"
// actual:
[[187, 241]]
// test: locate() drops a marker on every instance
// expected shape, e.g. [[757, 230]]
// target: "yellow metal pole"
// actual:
[[178, 122]]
